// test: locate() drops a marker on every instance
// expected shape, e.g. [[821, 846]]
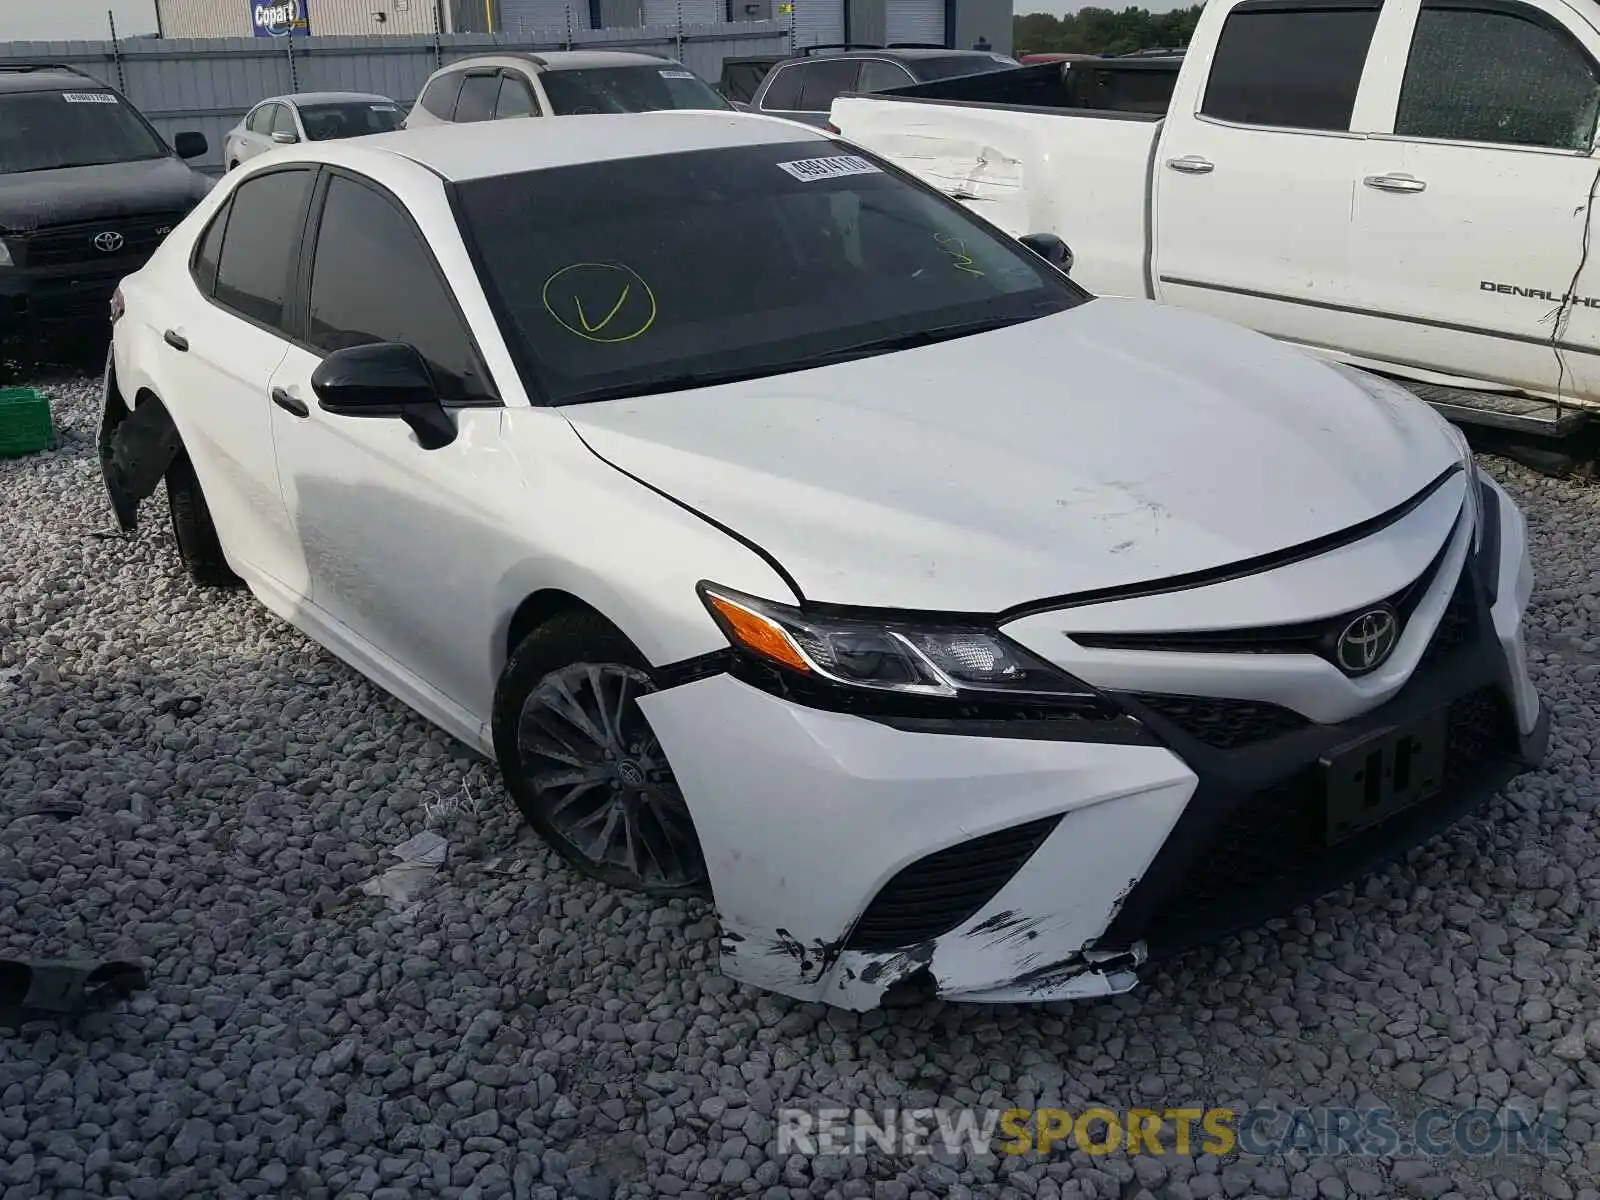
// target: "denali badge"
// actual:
[[1367, 641], [109, 241]]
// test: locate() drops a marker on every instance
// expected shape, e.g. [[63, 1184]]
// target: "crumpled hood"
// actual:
[[1118, 443]]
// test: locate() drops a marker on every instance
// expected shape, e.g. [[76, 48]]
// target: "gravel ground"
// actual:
[[527, 1033]]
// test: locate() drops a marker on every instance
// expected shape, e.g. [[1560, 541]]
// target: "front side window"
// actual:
[[1489, 75], [347, 119], [373, 280], [647, 275], [260, 120], [1290, 67], [643, 88], [283, 121], [439, 97], [878, 76], [783, 93], [478, 95], [947, 66], [43, 131], [516, 100], [262, 243]]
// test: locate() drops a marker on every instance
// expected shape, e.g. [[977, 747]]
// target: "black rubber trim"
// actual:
[[1237, 570], [691, 670], [1488, 554]]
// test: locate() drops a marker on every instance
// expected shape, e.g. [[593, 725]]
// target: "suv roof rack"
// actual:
[[807, 51]]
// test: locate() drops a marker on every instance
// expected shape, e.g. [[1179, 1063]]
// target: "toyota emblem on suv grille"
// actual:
[[110, 241], [1368, 641]]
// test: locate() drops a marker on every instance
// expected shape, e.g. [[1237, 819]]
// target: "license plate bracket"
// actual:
[[1369, 780]]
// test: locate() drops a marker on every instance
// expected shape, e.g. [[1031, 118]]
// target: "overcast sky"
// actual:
[[52, 20]]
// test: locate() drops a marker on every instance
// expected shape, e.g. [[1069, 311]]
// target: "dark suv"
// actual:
[[804, 88], [88, 189]]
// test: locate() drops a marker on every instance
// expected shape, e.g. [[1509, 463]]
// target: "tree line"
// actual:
[[1103, 30]]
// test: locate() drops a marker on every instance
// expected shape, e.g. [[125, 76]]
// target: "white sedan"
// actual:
[[307, 117], [791, 536]]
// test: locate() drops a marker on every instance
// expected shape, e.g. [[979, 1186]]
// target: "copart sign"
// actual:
[[279, 18]]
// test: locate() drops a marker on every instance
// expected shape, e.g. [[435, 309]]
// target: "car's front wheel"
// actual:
[[583, 764], [193, 529]]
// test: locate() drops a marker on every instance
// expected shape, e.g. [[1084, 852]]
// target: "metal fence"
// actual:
[[208, 85]]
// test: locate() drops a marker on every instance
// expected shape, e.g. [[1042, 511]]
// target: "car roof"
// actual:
[[46, 77], [561, 60], [485, 148], [328, 98]]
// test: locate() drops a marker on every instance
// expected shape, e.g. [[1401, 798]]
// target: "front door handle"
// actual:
[[288, 403], [1192, 164], [176, 340], [1397, 182]]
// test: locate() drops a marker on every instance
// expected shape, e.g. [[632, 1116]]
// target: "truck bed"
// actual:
[[1133, 87]]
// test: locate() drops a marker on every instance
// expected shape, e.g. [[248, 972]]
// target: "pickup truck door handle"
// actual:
[[1395, 183], [1192, 164], [175, 339], [290, 403]]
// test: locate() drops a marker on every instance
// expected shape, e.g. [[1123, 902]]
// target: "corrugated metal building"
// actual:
[[320, 18]]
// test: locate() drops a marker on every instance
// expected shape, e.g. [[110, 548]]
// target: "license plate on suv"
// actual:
[[1370, 780]]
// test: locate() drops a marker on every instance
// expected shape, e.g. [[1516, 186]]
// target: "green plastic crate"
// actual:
[[25, 424]]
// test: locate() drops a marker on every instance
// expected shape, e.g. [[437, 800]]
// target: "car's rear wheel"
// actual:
[[193, 528], [583, 764]]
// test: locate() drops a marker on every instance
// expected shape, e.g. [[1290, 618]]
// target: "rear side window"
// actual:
[[208, 250], [877, 76], [515, 99], [824, 81], [439, 97], [1296, 68], [784, 91], [261, 120], [477, 99], [1493, 75], [262, 243]]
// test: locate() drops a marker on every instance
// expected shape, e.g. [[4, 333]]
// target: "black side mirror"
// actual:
[[1050, 248], [384, 379], [191, 144]]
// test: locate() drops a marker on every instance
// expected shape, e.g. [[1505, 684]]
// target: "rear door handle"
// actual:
[[176, 340], [290, 403], [1396, 182], [1192, 164]]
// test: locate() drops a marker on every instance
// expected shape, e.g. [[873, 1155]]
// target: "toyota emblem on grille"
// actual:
[[1368, 641], [109, 241]]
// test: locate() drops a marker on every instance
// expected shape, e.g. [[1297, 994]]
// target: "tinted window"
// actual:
[[476, 102], [516, 100], [43, 130], [1480, 76], [355, 118], [283, 120], [262, 243], [627, 89], [824, 81], [207, 252], [750, 260], [373, 280], [784, 91], [261, 119], [876, 76], [944, 67], [1295, 68], [439, 97]]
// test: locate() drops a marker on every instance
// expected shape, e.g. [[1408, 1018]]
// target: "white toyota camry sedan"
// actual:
[[793, 537]]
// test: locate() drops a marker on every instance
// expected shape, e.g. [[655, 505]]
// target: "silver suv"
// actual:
[[561, 83]]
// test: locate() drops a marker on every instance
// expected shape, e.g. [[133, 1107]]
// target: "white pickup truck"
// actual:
[[1403, 185]]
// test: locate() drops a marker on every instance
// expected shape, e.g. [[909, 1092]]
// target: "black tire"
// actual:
[[578, 656], [193, 529]]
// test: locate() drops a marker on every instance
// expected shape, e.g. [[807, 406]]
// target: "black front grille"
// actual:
[[1456, 626], [66, 244], [1267, 852], [1223, 723], [935, 894]]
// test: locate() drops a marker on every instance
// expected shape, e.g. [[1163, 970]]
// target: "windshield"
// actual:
[[349, 118], [627, 89], [40, 131], [649, 274], [960, 64]]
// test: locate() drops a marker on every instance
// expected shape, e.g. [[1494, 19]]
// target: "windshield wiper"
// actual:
[[683, 381]]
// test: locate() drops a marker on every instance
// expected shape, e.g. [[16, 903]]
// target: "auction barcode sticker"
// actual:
[[676, 74], [88, 97], [806, 170]]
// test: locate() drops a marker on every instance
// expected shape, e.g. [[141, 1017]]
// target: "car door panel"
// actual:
[[1471, 211], [395, 541]]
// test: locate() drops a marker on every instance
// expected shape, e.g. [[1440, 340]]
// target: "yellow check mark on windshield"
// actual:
[[605, 320]]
